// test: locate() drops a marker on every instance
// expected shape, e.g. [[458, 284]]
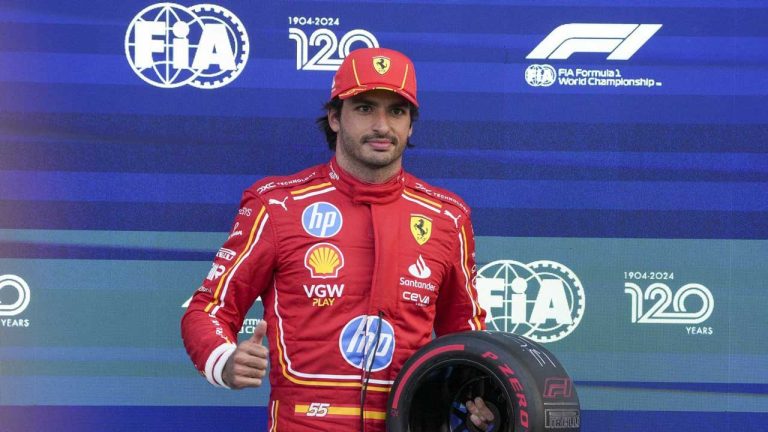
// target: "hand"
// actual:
[[248, 364], [480, 415]]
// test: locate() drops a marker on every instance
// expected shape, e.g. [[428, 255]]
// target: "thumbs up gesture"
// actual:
[[248, 364]]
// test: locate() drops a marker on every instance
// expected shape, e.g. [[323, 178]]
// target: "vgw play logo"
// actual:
[[169, 45], [541, 300]]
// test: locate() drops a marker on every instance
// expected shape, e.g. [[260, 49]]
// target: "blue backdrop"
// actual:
[[626, 154]]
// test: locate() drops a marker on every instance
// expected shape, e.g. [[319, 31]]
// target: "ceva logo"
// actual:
[[620, 40]]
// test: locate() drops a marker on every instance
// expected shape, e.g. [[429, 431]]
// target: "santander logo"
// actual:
[[420, 269]]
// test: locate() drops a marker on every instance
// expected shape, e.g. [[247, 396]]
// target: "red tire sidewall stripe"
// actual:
[[419, 362]]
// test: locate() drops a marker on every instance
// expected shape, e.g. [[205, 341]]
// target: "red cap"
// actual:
[[367, 69]]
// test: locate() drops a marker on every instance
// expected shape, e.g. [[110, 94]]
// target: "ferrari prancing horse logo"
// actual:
[[381, 64], [421, 228]]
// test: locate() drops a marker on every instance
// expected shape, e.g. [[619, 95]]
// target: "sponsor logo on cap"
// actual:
[[381, 64]]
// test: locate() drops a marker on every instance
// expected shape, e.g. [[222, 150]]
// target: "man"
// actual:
[[356, 263]]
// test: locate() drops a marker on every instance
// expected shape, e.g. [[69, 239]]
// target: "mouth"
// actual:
[[380, 143]]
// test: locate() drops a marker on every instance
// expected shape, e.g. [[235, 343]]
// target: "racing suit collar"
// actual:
[[365, 193]]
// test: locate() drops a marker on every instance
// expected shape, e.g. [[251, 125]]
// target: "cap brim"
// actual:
[[362, 89]]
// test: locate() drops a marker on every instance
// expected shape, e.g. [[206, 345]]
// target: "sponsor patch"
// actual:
[[226, 254], [420, 269], [216, 272], [359, 345], [324, 260], [421, 228], [321, 219]]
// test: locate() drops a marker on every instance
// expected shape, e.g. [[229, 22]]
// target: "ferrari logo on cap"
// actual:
[[381, 64], [421, 228]]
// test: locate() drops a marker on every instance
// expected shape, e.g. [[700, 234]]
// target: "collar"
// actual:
[[365, 193]]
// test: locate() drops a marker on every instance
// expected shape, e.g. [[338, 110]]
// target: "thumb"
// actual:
[[259, 332]]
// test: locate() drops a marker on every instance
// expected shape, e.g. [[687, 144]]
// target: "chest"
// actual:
[[399, 245]]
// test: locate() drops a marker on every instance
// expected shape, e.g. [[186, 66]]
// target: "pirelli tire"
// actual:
[[523, 384]]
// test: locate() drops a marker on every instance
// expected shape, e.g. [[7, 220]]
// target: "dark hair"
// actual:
[[335, 105]]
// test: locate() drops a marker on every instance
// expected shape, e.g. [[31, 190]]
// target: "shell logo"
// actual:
[[324, 260]]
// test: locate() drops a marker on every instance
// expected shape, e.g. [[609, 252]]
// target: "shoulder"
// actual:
[[447, 199], [273, 184]]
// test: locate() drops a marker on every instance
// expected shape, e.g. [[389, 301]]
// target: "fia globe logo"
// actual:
[[540, 75], [541, 300], [169, 45]]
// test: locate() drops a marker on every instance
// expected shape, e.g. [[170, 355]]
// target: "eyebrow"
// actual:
[[367, 101]]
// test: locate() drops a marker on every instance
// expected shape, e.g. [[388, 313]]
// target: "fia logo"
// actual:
[[542, 300], [326, 45], [169, 45], [540, 75], [321, 219], [359, 345]]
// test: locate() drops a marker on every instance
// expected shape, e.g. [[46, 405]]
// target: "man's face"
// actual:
[[373, 129]]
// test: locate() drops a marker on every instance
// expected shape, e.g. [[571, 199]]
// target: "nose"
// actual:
[[380, 122]]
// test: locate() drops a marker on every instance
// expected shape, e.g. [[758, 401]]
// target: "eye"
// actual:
[[364, 108], [398, 112]]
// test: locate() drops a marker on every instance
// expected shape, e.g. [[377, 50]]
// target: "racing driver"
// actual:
[[356, 262]]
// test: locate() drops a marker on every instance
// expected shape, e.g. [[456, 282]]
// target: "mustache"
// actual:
[[391, 138]]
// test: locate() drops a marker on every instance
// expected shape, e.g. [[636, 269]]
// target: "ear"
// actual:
[[410, 130], [333, 120]]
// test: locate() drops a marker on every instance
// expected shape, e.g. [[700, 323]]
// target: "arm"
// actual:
[[457, 305], [458, 308], [241, 271]]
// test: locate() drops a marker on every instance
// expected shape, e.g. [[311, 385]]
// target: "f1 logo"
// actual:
[[557, 386], [620, 40]]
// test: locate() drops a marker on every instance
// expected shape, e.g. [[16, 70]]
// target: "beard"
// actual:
[[364, 155]]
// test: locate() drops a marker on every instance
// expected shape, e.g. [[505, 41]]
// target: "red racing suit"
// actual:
[[354, 277]]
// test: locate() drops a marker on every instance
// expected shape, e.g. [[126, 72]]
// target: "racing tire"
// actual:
[[522, 383]]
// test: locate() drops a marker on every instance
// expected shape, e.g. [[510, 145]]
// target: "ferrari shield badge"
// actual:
[[421, 228], [381, 64]]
